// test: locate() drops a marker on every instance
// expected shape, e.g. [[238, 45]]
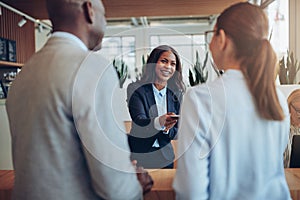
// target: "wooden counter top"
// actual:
[[292, 176], [6, 184], [162, 188], [163, 178]]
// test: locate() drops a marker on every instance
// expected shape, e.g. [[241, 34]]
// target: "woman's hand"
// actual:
[[167, 121]]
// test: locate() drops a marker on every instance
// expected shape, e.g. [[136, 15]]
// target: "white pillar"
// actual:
[[294, 28]]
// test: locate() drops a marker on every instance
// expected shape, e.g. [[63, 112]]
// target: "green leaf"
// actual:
[[201, 74], [122, 71], [191, 79]]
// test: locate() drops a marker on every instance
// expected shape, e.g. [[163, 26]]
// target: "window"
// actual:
[[186, 46], [278, 14], [121, 48]]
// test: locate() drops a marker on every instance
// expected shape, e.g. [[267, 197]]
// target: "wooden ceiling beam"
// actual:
[[151, 8], [135, 8]]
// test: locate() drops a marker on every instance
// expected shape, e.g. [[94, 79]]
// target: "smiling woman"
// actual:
[[165, 68], [152, 102]]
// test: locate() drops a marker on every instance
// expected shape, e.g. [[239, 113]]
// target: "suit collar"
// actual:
[[151, 100], [149, 94]]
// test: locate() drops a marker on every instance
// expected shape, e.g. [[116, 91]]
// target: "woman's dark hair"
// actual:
[[175, 83], [247, 26]]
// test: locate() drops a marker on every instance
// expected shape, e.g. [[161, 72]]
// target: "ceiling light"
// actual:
[[134, 21], [25, 16], [40, 28], [22, 22], [144, 21]]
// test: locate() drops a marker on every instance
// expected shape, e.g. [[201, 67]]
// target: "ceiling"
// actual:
[[135, 8]]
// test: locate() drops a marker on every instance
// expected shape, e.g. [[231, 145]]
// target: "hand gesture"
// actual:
[[167, 121], [144, 179]]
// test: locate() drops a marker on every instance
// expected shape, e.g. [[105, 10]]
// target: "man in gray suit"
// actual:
[[66, 142]]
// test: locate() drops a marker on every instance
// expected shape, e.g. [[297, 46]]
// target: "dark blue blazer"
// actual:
[[143, 111]]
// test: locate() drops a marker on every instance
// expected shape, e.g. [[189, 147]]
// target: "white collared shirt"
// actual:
[[161, 104], [160, 99], [71, 37]]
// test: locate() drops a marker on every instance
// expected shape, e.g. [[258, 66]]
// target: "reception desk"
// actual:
[[162, 188], [163, 178], [292, 176]]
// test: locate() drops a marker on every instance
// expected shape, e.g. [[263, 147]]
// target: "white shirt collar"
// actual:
[[70, 36], [234, 72], [157, 92]]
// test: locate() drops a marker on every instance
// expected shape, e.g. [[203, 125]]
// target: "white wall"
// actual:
[[142, 34], [294, 15], [288, 89], [41, 37], [294, 30], [5, 139]]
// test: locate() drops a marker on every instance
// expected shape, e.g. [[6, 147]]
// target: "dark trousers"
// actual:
[[153, 159]]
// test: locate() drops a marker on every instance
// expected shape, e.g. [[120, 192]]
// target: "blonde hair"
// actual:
[[294, 96]]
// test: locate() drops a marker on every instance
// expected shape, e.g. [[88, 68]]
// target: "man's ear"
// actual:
[[88, 12], [222, 40]]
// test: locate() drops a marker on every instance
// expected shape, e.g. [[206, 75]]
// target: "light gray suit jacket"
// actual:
[[67, 143]]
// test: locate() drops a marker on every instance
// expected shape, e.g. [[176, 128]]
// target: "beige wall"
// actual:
[[295, 27]]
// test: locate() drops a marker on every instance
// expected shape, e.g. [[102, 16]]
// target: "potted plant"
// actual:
[[288, 69], [198, 74], [138, 74], [122, 70]]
